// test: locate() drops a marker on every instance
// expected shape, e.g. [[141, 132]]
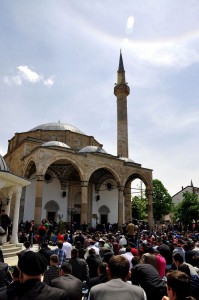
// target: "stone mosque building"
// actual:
[[72, 178]]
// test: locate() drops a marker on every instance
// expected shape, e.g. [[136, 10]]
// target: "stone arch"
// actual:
[[109, 169], [138, 175], [146, 178], [103, 212], [52, 205], [71, 161], [30, 168], [102, 175], [51, 208]]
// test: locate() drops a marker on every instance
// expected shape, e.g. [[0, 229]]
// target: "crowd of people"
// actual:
[[134, 263]]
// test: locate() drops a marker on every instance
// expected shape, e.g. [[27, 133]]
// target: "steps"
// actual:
[[10, 250]]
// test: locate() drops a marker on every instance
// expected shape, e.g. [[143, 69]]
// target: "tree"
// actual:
[[162, 201], [139, 207], [187, 211]]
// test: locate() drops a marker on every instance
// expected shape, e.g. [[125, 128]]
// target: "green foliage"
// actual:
[[162, 201], [139, 207], [187, 211], [61, 226]]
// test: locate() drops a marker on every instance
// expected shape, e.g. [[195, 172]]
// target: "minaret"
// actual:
[[121, 91]]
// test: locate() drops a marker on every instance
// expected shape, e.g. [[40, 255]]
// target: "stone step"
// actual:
[[9, 254], [10, 250]]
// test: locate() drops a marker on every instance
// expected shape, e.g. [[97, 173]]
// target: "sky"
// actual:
[[59, 62]]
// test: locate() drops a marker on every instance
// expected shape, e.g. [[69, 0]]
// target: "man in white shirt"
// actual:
[[92, 245], [128, 255], [67, 246]]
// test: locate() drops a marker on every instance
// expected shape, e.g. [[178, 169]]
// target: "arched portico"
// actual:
[[60, 179], [146, 178]]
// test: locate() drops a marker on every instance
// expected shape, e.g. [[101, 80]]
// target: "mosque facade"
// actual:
[[72, 177]]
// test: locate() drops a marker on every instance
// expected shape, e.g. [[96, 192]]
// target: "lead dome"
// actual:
[[3, 166], [55, 144], [57, 126], [92, 149]]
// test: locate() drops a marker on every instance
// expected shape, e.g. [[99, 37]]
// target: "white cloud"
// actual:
[[27, 74], [175, 53], [12, 80], [24, 73], [49, 82], [129, 25]]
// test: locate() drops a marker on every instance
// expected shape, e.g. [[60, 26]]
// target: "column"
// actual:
[[10, 194], [38, 199], [120, 207], [14, 237], [127, 202], [149, 194], [84, 202]]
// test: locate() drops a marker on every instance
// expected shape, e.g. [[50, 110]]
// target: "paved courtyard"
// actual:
[[12, 261]]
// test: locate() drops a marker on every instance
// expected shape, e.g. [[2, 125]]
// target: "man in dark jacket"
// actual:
[[4, 220], [32, 265], [102, 276], [79, 266], [146, 276], [69, 283], [93, 260], [3, 283], [46, 251]]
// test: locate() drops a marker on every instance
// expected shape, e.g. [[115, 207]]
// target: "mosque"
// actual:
[[71, 177]]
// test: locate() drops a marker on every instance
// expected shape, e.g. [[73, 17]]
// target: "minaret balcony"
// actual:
[[121, 89]]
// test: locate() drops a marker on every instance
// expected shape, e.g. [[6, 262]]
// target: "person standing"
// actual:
[[67, 246], [27, 248], [131, 231], [31, 232], [4, 220], [42, 231], [60, 252]]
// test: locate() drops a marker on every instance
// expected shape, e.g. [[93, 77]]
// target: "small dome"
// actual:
[[55, 144], [92, 149], [3, 166], [57, 126], [126, 159]]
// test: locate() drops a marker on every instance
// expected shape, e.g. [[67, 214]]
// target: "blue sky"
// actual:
[[59, 61]]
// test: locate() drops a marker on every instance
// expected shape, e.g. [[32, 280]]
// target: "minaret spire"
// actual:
[[121, 91], [121, 66]]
